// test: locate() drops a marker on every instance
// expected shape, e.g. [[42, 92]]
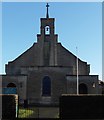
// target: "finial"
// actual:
[[47, 15]]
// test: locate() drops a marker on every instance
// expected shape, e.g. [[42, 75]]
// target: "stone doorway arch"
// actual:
[[10, 89], [12, 85], [83, 89]]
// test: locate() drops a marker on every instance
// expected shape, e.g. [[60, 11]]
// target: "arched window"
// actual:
[[83, 89], [11, 85], [47, 30], [46, 86]]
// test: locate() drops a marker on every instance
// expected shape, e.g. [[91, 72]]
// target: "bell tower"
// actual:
[[47, 40], [47, 24]]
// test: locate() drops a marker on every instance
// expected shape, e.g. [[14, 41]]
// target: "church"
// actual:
[[47, 70]]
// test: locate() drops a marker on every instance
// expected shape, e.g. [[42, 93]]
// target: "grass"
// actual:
[[35, 112], [25, 113]]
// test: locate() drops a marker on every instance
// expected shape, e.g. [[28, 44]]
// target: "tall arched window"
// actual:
[[46, 86], [47, 30], [83, 89]]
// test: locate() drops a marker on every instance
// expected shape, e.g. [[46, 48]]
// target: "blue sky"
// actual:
[[76, 23]]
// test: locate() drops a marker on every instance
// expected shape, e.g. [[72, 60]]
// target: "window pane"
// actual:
[[46, 88]]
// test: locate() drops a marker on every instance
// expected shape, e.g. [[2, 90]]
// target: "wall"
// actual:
[[89, 81], [34, 85], [17, 80]]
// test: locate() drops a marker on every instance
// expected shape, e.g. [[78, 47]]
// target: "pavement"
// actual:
[[48, 112]]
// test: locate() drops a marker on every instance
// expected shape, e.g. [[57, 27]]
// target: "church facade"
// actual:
[[47, 70]]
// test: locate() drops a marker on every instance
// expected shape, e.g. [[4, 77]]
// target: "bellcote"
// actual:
[[47, 31], [47, 26]]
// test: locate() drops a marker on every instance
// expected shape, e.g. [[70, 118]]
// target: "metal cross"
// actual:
[[47, 5], [47, 15]]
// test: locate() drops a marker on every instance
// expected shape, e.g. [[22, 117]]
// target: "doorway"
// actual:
[[83, 89]]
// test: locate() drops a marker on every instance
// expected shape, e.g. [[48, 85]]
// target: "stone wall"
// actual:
[[91, 82], [34, 85], [19, 81]]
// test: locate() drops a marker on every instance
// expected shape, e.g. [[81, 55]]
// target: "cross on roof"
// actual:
[[47, 5], [47, 15]]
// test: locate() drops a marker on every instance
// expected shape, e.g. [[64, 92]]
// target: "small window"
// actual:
[[47, 30], [93, 85]]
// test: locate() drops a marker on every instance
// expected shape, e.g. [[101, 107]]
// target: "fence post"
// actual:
[[38, 112]]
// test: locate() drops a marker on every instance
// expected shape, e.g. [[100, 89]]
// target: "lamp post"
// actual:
[[77, 72]]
